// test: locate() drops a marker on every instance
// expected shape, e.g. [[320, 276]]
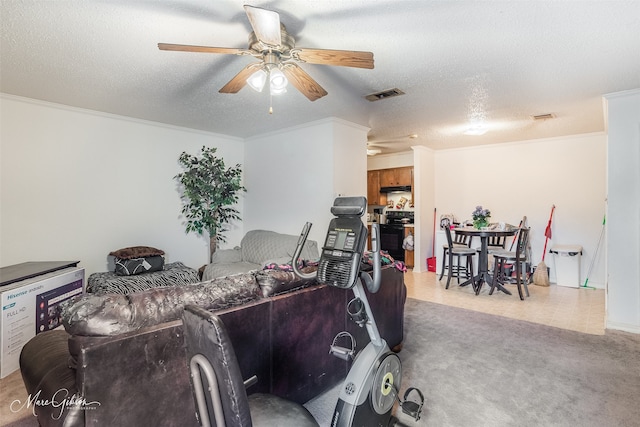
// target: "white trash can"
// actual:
[[567, 264]]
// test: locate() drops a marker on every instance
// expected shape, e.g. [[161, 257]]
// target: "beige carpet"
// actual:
[[477, 369]]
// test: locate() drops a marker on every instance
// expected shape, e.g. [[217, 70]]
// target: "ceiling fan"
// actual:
[[372, 142], [278, 57], [374, 146]]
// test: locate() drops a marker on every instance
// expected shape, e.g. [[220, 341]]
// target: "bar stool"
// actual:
[[457, 250], [518, 259], [458, 240]]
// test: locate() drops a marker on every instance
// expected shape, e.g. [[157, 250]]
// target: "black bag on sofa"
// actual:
[[137, 260], [130, 267]]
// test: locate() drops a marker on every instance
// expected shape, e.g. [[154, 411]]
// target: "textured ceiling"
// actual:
[[502, 61]]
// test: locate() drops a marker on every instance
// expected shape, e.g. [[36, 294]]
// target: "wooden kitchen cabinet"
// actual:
[[409, 258], [395, 177], [373, 189], [387, 178]]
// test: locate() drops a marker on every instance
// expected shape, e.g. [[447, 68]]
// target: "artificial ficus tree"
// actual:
[[209, 191]]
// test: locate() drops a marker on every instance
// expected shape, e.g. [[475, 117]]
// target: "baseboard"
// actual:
[[625, 327]]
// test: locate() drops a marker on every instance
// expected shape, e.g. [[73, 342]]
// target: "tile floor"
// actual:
[[577, 309]]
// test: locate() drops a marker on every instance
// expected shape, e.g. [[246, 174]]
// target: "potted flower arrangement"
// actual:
[[481, 217]]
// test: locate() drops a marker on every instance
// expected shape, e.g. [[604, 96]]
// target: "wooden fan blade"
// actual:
[[382, 144], [303, 82], [344, 58], [240, 79], [391, 140], [265, 24], [204, 49]]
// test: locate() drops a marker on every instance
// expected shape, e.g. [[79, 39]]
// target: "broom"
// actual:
[[541, 277]]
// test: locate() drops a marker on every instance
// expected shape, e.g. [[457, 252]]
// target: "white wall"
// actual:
[[424, 191], [623, 215], [513, 180], [293, 176], [77, 185], [349, 158], [527, 178]]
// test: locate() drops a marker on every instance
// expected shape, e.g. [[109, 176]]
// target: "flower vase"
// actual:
[[480, 223]]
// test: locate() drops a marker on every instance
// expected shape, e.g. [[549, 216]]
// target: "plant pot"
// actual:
[[480, 224]]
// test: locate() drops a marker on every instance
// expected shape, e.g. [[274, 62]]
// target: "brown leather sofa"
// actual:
[[138, 375]]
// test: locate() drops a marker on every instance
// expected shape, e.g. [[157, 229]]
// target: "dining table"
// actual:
[[483, 275]]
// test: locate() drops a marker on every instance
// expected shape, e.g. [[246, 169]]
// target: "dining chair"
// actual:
[[518, 259], [524, 223], [458, 250], [457, 240], [217, 384], [496, 243]]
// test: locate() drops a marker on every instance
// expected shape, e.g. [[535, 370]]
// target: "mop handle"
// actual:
[[433, 240], [595, 253], [544, 251], [515, 236]]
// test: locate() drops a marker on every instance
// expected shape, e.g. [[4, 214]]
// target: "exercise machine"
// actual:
[[372, 385]]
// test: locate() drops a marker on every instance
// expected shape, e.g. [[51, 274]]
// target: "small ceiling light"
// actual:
[[277, 82], [257, 80], [373, 152], [476, 129]]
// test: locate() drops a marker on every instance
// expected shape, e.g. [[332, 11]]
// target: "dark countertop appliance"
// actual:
[[392, 233], [399, 217], [396, 189]]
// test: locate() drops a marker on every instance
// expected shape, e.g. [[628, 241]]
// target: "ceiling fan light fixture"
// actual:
[[277, 91], [257, 80], [277, 82]]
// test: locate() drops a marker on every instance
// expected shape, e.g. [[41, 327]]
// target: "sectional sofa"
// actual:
[[121, 360]]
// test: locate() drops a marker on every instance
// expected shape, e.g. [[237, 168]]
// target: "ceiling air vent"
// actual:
[[544, 116], [384, 95]]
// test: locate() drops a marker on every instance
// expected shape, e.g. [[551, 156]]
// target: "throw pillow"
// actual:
[[136, 252]]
